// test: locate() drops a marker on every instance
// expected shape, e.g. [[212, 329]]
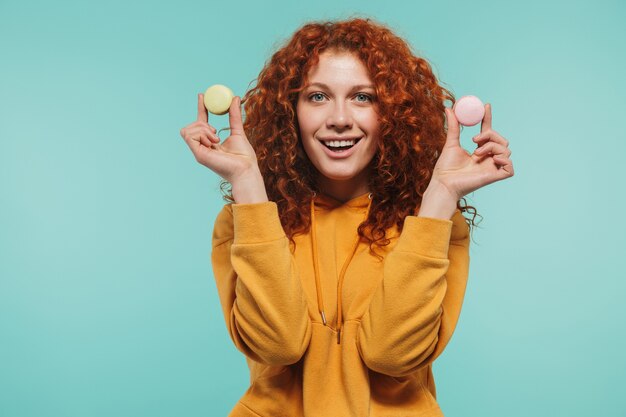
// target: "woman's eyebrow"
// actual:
[[354, 87]]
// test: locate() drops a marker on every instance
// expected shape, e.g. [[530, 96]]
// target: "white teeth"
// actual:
[[337, 143]]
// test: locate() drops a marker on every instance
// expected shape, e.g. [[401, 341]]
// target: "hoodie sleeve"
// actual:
[[413, 313], [258, 284]]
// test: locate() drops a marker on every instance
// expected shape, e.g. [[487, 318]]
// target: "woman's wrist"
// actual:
[[437, 202], [249, 188]]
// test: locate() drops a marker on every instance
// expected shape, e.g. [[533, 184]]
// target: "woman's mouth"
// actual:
[[339, 146]]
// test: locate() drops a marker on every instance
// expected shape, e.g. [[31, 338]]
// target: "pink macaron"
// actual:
[[469, 110]]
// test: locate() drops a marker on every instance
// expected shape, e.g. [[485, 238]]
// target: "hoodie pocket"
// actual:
[[406, 396], [277, 392]]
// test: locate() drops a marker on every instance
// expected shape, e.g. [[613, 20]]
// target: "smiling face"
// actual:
[[339, 124]]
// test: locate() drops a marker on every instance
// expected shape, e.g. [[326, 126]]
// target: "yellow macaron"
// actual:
[[217, 99]]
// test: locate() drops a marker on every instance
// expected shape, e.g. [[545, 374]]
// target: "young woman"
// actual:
[[342, 258]]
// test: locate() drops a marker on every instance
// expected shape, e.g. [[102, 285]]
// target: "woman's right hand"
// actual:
[[232, 159]]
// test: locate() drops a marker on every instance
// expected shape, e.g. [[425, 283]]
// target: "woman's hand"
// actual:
[[234, 158], [461, 173]]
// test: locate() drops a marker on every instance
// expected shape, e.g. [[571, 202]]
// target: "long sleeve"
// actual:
[[258, 284], [413, 313]]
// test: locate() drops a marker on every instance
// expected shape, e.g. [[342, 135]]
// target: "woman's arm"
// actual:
[[257, 281], [258, 284], [414, 312]]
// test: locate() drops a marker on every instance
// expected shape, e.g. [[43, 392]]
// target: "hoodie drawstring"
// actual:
[[320, 299]]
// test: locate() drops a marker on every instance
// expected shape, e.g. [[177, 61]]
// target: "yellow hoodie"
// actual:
[[328, 329]]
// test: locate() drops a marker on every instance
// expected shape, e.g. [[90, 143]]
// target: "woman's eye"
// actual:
[[363, 98], [317, 97]]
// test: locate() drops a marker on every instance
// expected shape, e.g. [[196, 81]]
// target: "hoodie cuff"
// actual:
[[256, 223], [426, 236]]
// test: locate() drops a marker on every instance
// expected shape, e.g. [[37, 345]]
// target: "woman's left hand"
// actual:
[[462, 173]]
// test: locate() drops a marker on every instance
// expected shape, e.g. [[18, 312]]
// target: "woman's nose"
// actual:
[[340, 117]]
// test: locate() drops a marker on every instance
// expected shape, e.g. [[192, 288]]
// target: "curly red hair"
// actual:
[[410, 104]]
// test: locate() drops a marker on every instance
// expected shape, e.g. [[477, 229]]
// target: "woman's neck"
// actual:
[[343, 190]]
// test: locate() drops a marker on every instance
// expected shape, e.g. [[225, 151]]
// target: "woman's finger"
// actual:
[[486, 123], [205, 141], [210, 133], [454, 132], [494, 148], [234, 117], [193, 143], [201, 147], [506, 167], [200, 130], [490, 135], [203, 114]]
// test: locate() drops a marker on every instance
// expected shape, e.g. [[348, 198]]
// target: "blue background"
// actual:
[[107, 300]]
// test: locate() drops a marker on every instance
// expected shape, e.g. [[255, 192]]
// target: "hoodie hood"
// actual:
[[325, 202]]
